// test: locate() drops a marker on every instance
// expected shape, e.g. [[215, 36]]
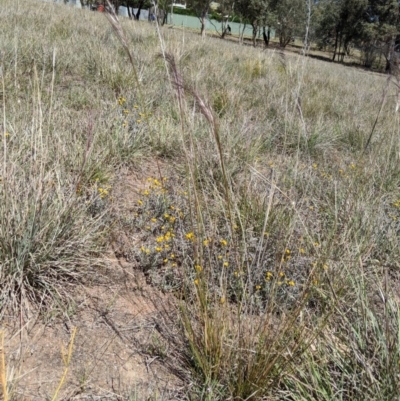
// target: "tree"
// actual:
[[373, 25], [201, 8], [225, 8], [256, 12], [383, 26], [163, 7], [341, 23], [290, 17]]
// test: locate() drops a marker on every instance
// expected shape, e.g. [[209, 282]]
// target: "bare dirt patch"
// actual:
[[115, 349]]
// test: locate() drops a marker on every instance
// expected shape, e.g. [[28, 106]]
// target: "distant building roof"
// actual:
[[179, 5]]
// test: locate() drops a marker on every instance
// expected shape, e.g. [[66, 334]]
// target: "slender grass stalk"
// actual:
[[66, 357], [3, 377]]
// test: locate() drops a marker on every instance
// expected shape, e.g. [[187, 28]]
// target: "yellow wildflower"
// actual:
[[196, 282], [190, 236], [223, 242], [198, 268], [226, 264], [158, 249]]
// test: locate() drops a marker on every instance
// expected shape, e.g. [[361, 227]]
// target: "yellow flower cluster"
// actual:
[[190, 236], [104, 192], [166, 237]]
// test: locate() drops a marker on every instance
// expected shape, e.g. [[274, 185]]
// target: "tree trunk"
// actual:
[[242, 36], [116, 6], [266, 36], [137, 15], [224, 30], [129, 12], [340, 47], [336, 44], [255, 31], [203, 26]]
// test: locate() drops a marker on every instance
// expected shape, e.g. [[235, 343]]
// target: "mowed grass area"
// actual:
[[273, 218]]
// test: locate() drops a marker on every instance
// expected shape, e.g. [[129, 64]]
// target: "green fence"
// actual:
[[211, 25]]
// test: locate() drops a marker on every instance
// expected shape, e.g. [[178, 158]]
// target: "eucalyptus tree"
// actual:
[[341, 22], [290, 18], [374, 25], [201, 8], [256, 13], [384, 28], [226, 11]]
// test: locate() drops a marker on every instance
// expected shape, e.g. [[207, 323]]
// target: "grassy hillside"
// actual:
[[270, 214]]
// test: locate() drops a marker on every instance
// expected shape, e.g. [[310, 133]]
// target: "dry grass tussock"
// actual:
[[276, 226]]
